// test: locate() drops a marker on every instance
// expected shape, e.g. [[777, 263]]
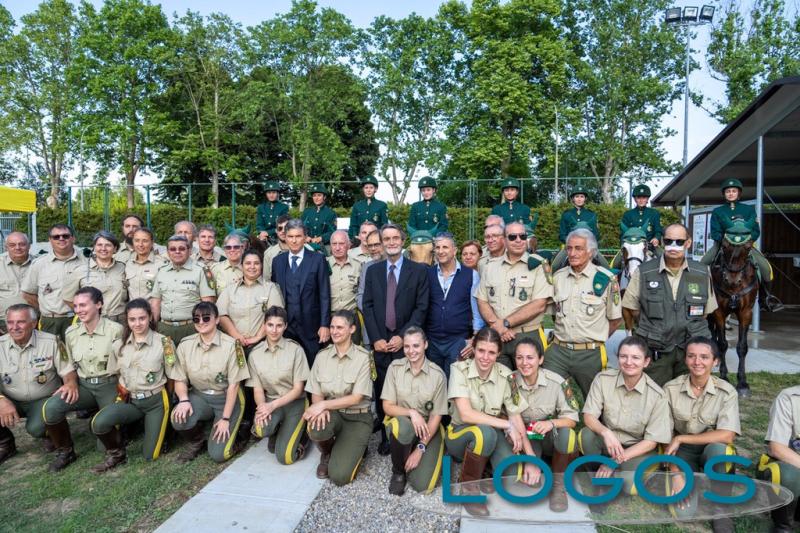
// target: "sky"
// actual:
[[702, 128]]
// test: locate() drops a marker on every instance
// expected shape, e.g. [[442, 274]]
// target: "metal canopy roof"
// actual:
[[775, 114]]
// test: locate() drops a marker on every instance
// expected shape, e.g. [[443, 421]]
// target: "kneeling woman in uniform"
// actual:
[[339, 419], [415, 399], [278, 374], [212, 364], [141, 362], [551, 415], [626, 413], [486, 416]]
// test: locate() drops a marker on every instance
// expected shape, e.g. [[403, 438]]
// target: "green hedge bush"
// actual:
[[164, 217]]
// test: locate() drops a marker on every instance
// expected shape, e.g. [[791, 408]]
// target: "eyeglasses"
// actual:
[[281, 228], [202, 318], [374, 245], [179, 249], [678, 242], [232, 246], [61, 236], [16, 245], [514, 236]]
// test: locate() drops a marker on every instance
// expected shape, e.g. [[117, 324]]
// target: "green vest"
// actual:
[[374, 211], [513, 212], [666, 323], [429, 215]]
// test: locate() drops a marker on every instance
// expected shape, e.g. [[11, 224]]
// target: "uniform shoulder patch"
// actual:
[[569, 395], [534, 261], [169, 350], [240, 359], [62, 350], [600, 282], [512, 382], [210, 279]]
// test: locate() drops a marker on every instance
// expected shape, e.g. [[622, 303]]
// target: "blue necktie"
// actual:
[[391, 294], [294, 263]]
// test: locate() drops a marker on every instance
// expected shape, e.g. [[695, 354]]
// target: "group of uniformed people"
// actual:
[[134, 333]]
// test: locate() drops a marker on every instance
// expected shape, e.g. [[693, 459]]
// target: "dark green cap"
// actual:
[[641, 190], [317, 187], [271, 185], [421, 237], [738, 233], [369, 180], [509, 182], [634, 235], [427, 181], [731, 182], [579, 189]]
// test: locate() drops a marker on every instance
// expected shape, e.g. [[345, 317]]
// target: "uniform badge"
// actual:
[[126, 284], [62, 351], [491, 292], [615, 291], [220, 378], [653, 284], [589, 310], [151, 377], [435, 219], [598, 286], [169, 350], [375, 217], [693, 288], [41, 379], [373, 370], [569, 395], [212, 283], [512, 381], [523, 295], [6, 379], [558, 307], [429, 406], [47, 289], [240, 359], [649, 228], [264, 307], [149, 284]]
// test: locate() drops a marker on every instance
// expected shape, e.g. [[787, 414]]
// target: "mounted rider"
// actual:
[[722, 219], [647, 218]]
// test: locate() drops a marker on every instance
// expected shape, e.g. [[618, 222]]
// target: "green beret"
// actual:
[[427, 181], [641, 190], [317, 187], [271, 185], [421, 237], [369, 180], [634, 235], [509, 182], [731, 182]]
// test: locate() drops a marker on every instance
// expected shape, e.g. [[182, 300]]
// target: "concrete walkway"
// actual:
[[573, 520], [254, 493]]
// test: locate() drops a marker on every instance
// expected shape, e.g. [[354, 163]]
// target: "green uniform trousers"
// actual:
[[176, 333], [580, 365], [426, 475], [32, 413], [560, 260], [665, 366], [590, 443], [208, 408], [154, 410], [561, 440], [779, 473], [90, 396], [506, 357], [287, 425], [762, 263], [482, 440], [56, 325], [352, 433]]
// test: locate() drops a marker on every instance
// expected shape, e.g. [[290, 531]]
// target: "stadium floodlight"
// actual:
[[690, 13], [707, 13], [673, 15]]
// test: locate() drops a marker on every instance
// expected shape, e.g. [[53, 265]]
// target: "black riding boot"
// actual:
[[768, 301]]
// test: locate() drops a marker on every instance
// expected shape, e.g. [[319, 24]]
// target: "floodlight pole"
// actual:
[[686, 97]]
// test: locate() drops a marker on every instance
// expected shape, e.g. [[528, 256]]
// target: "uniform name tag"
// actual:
[[653, 284], [696, 310]]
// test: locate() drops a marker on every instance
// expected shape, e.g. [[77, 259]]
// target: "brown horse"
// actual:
[[736, 286]]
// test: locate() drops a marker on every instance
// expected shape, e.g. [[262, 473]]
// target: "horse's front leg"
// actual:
[[716, 323], [745, 318]]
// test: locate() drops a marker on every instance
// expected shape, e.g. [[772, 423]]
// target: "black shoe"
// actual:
[[384, 448], [397, 484]]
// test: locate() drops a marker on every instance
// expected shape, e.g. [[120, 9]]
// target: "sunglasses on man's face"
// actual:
[[281, 228], [177, 250], [676, 242], [232, 246], [201, 318], [514, 236], [60, 236]]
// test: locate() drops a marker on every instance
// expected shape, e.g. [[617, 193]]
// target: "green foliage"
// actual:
[[747, 55]]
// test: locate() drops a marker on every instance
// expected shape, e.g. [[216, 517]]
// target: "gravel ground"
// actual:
[[365, 505]]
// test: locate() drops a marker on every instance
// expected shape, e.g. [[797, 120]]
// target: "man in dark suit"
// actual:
[[395, 298], [303, 278]]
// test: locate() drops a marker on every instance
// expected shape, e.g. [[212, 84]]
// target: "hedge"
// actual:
[[164, 217]]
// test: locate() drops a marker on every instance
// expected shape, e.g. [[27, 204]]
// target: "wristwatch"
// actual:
[[421, 447], [506, 323]]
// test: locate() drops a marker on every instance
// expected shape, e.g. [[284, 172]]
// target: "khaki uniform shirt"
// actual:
[[276, 369], [344, 284], [426, 393], [784, 417], [631, 298], [545, 398], [211, 367], [216, 257], [226, 274], [111, 281], [493, 396], [633, 416], [580, 316], [334, 377], [141, 276], [180, 289], [507, 287], [46, 277], [92, 351], [271, 253], [11, 276], [141, 366], [246, 305], [717, 407], [484, 260], [32, 371], [359, 255]]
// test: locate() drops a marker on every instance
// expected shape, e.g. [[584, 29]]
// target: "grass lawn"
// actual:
[[136, 496]]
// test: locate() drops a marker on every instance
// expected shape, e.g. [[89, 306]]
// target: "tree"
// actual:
[[124, 51], [411, 73], [748, 55], [295, 55], [628, 69], [39, 100], [205, 69]]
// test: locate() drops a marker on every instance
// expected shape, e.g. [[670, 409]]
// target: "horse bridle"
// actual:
[[734, 298]]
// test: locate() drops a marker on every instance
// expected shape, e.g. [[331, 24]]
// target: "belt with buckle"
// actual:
[[577, 345], [145, 394], [99, 380], [58, 315], [176, 323], [354, 411], [212, 392]]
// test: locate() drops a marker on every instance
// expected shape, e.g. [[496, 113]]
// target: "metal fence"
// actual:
[[8, 222]]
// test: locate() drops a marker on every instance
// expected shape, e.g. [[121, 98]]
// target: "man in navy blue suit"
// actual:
[[302, 275], [395, 298]]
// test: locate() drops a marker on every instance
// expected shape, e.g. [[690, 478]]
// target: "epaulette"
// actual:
[[600, 282]]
